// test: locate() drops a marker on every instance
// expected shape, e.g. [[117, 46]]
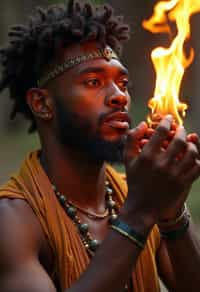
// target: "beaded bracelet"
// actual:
[[127, 231], [175, 234], [175, 228], [174, 221]]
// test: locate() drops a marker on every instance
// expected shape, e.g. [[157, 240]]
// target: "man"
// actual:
[[68, 221]]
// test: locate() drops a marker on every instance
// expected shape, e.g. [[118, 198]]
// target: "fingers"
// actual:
[[161, 133], [134, 136], [178, 145], [194, 138], [193, 174], [191, 163], [189, 159], [183, 158]]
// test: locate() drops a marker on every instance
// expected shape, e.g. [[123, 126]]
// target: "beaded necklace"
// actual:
[[91, 245], [71, 209]]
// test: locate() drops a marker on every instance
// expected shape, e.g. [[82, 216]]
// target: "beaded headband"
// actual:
[[106, 53]]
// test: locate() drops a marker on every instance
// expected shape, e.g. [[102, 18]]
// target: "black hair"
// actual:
[[32, 46]]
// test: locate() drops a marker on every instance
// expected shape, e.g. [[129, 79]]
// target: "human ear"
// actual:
[[40, 103]]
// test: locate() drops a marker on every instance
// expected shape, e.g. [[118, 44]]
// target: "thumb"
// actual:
[[132, 147]]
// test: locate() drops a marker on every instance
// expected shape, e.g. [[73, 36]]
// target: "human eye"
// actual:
[[92, 82], [123, 84]]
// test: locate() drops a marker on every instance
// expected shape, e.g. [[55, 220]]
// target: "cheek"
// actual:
[[86, 113], [88, 106], [83, 108]]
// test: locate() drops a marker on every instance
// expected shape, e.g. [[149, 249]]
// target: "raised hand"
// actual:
[[159, 178]]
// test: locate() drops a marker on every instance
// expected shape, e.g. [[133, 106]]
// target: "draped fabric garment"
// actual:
[[71, 259]]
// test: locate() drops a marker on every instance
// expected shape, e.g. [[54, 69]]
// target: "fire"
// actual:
[[170, 63]]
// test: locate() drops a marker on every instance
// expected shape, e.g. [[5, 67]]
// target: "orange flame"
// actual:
[[170, 63]]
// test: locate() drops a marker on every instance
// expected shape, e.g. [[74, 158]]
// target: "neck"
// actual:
[[77, 177]]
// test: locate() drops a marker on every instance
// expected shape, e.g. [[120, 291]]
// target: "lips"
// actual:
[[118, 120]]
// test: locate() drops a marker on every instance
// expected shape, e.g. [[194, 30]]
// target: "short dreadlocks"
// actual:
[[31, 47]]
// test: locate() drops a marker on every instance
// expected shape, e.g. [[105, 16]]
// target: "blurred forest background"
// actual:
[[15, 142]]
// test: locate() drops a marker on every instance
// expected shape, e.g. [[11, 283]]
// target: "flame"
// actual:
[[170, 63]]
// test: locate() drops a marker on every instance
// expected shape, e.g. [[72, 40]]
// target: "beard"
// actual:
[[74, 132]]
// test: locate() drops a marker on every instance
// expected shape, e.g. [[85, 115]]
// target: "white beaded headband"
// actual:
[[106, 53]]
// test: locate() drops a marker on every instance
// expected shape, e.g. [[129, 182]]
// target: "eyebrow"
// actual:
[[121, 70]]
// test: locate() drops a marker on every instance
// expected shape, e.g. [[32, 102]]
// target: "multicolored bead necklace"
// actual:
[[71, 209]]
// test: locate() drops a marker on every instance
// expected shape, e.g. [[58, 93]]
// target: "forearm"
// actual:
[[184, 254], [109, 270], [111, 267]]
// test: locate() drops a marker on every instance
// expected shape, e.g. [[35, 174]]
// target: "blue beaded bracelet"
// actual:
[[127, 231]]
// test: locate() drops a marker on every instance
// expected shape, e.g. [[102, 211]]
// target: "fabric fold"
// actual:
[[71, 259]]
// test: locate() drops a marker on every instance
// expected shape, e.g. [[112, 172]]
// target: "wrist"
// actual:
[[130, 233], [173, 223], [173, 229], [172, 216], [177, 233], [142, 223]]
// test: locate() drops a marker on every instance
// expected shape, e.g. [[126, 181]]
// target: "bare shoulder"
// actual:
[[20, 242], [21, 233]]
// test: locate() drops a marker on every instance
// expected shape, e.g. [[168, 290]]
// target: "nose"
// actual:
[[116, 98]]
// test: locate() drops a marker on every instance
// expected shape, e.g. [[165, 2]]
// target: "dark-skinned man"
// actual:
[[68, 220]]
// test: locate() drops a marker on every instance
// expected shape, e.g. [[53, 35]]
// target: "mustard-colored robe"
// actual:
[[71, 259]]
